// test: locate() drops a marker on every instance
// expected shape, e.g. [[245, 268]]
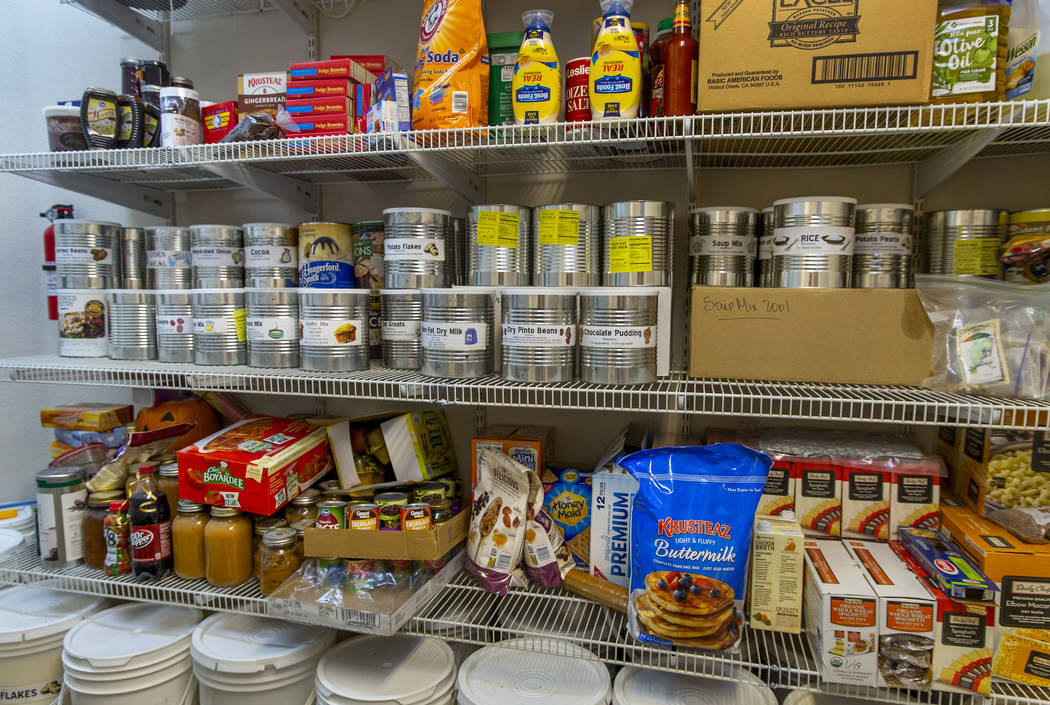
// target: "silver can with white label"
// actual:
[[272, 327], [618, 335], [415, 247], [566, 240], [217, 253], [722, 246], [334, 325], [132, 324], [764, 261], [457, 332], [538, 334], [402, 316], [498, 245], [87, 254], [168, 264], [271, 255], [813, 242], [883, 253], [174, 325], [219, 336]]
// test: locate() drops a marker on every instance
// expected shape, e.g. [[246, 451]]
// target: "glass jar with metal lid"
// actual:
[[227, 547], [262, 525], [168, 481], [61, 499], [91, 529], [187, 540], [280, 558], [300, 527], [303, 506]]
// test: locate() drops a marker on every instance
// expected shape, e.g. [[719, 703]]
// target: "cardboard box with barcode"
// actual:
[[853, 336], [906, 616], [996, 551], [532, 446], [774, 595], [1003, 469], [802, 53], [87, 416], [841, 614], [963, 636], [429, 545]]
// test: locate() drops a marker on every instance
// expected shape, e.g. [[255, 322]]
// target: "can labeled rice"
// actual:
[[174, 325], [87, 254], [217, 253], [618, 335], [334, 326], [813, 242], [577, 93], [271, 255], [168, 263], [132, 324], [219, 334], [133, 258], [272, 327], [414, 247], [566, 244], [401, 317], [82, 323], [498, 245], [326, 256], [457, 332], [539, 334], [364, 516]]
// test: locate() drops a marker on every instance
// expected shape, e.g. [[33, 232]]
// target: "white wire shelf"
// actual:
[[677, 394], [777, 139], [161, 10]]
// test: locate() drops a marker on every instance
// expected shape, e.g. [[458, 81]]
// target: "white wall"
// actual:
[[52, 51]]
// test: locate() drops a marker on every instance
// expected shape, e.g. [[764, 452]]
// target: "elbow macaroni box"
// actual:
[[865, 499], [1003, 469], [907, 613], [841, 614], [995, 550], [1023, 632], [818, 496]]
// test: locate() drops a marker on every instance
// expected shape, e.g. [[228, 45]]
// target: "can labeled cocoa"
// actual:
[[577, 98], [363, 517], [415, 517]]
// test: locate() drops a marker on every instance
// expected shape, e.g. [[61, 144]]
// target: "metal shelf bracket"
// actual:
[[147, 31], [461, 180], [301, 194], [141, 198], [300, 12], [939, 168]]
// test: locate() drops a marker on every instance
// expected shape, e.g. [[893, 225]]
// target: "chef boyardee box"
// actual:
[[764, 54], [841, 614]]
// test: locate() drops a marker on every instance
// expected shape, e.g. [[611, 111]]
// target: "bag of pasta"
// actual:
[[452, 72]]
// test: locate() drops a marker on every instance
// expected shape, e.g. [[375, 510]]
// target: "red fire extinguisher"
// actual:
[[55, 212]]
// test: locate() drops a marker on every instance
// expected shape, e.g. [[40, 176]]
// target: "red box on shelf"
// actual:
[[328, 123], [315, 107], [362, 102], [374, 63], [256, 465], [322, 88], [332, 68], [218, 120]]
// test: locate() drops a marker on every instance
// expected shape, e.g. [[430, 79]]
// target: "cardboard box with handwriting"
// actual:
[[764, 54]]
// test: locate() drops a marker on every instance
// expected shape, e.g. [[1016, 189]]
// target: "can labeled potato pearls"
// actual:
[[402, 316], [219, 335], [498, 245], [618, 335], [132, 324], [813, 242], [326, 256], [723, 246], [271, 255], [334, 325], [82, 323], [539, 334], [566, 242], [456, 334], [414, 247], [133, 258], [86, 254], [174, 325], [217, 253], [636, 243], [272, 327], [168, 263], [882, 254]]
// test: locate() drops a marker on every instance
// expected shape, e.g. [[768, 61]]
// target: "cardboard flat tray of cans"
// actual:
[[381, 612], [427, 545]]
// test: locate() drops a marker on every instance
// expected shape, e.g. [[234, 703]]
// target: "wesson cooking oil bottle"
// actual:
[[616, 65], [536, 89]]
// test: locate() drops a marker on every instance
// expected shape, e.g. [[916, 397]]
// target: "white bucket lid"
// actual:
[[10, 539], [641, 686], [804, 697], [510, 676], [28, 613], [24, 519], [235, 643], [400, 668], [116, 636]]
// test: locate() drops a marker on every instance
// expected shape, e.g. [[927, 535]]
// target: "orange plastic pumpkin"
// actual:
[[170, 413]]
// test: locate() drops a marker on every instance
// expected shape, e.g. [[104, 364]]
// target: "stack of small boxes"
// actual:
[[320, 95]]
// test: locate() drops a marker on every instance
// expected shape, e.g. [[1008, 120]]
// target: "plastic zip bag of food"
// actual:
[[142, 447], [451, 86], [498, 521], [547, 556], [1030, 524], [990, 337]]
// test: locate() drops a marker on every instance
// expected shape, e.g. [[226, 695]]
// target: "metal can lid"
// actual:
[[269, 524], [169, 470], [102, 499], [283, 536], [391, 498], [188, 506], [307, 497], [225, 512], [59, 477], [301, 525]]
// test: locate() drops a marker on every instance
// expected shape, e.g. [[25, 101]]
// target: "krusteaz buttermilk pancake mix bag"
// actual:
[[690, 538]]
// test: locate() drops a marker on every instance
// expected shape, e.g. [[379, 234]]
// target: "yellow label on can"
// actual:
[[240, 320], [497, 229], [631, 254], [558, 227], [976, 257]]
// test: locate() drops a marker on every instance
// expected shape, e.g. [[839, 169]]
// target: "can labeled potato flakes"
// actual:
[[415, 517]]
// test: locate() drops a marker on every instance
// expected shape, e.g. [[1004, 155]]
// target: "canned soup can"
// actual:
[[272, 327], [813, 242], [217, 253], [168, 263], [271, 255], [132, 324], [326, 256], [334, 325], [414, 247], [87, 254], [498, 245], [457, 331], [174, 325], [618, 335], [401, 318], [219, 334], [82, 323], [539, 334], [566, 243]]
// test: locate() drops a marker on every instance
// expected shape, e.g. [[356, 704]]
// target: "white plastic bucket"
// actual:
[[394, 670], [24, 523], [33, 623], [164, 687], [642, 686], [243, 660]]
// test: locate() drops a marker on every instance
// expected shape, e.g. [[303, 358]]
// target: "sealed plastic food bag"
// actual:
[[690, 539], [451, 87], [990, 337], [497, 520], [547, 556]]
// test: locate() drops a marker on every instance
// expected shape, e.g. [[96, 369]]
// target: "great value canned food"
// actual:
[[424, 491], [390, 504], [326, 256], [415, 517], [364, 516]]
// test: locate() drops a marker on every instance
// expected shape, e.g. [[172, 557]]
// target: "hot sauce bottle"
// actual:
[[680, 65]]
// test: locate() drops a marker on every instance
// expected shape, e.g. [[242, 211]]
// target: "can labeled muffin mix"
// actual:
[[326, 256], [415, 517]]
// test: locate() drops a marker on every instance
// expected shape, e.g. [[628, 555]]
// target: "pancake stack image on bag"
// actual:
[[688, 610]]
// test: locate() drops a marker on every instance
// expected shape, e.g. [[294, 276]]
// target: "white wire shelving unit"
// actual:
[[676, 394]]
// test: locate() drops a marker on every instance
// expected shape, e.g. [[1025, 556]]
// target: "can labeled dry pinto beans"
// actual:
[[577, 98], [363, 516], [331, 515], [390, 504], [415, 517]]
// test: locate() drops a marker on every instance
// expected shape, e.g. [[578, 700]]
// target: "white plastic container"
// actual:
[[244, 660], [10, 540], [564, 674], [33, 623], [409, 670], [129, 655], [24, 522], [642, 686]]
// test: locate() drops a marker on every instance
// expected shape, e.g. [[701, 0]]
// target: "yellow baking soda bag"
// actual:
[[451, 87]]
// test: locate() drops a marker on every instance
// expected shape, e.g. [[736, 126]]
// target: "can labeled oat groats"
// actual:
[[363, 516], [415, 517], [331, 514]]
